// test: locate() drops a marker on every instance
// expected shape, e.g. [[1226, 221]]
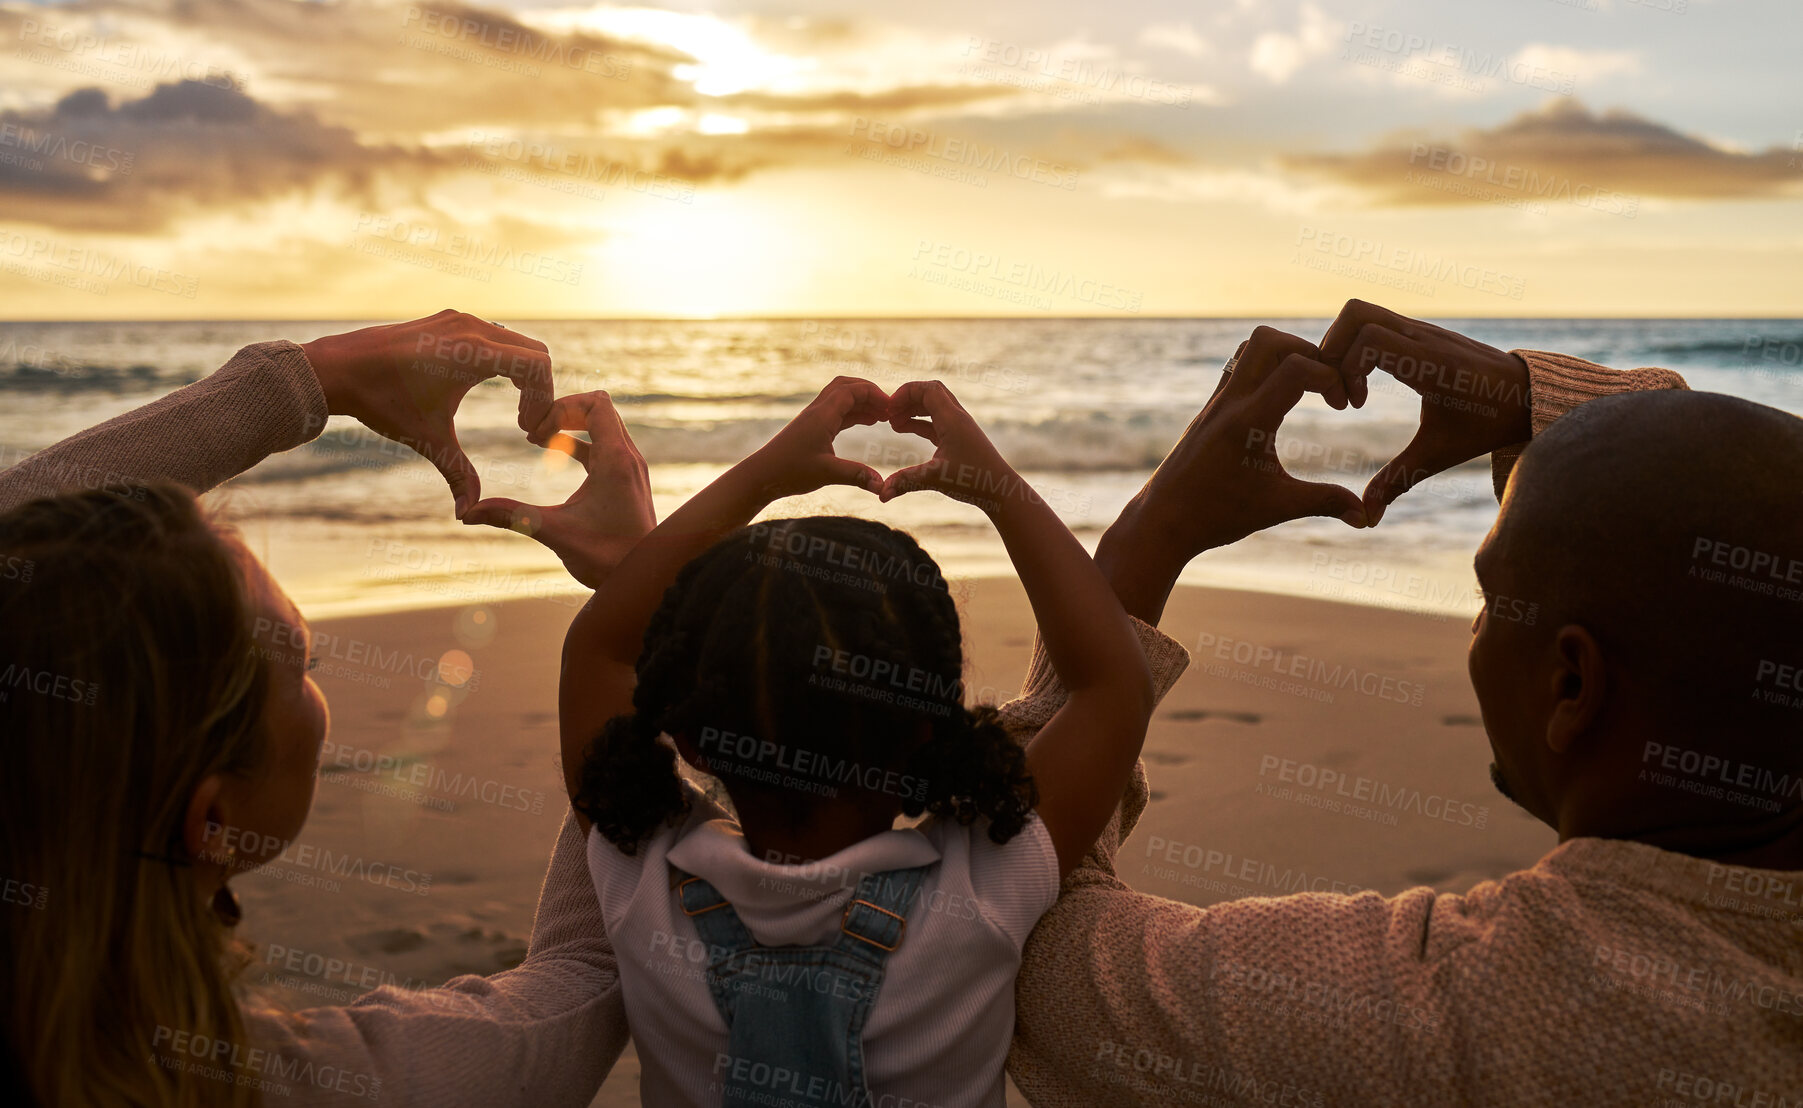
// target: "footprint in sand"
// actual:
[[442, 950], [1191, 715], [393, 940], [1165, 758], [1462, 721], [537, 719]]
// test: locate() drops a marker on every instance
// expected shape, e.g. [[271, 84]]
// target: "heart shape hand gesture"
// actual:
[[607, 514], [405, 380], [1474, 398]]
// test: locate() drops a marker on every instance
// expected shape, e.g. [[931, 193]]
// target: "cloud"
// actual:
[[1583, 66], [1277, 56], [1553, 153], [1179, 37], [91, 164]]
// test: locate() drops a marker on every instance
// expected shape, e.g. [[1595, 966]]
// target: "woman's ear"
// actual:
[[206, 832]]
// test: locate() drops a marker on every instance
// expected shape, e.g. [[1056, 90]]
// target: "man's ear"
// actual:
[[204, 825], [1579, 687]]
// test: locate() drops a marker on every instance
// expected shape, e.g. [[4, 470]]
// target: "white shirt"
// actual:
[[938, 1032]]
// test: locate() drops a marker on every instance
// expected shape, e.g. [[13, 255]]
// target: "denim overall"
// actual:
[[795, 1014]]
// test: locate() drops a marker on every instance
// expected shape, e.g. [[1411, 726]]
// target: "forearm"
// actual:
[[612, 625], [266, 399], [545, 1033], [1140, 562], [1081, 623]]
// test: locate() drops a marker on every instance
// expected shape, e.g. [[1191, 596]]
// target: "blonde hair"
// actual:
[[127, 675]]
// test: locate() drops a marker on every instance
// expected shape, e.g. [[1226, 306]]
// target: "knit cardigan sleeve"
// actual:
[[544, 1033], [1557, 383], [266, 399]]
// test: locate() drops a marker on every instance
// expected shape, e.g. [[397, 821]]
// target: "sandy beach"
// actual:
[[1311, 745]]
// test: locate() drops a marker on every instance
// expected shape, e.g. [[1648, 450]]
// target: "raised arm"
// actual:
[[601, 650], [548, 1031], [1083, 757], [402, 380]]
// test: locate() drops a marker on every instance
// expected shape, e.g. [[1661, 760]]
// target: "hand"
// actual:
[[800, 458], [964, 466], [1474, 398], [603, 519], [1224, 480], [404, 381]]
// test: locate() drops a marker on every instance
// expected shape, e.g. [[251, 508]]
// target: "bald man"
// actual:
[[1652, 714]]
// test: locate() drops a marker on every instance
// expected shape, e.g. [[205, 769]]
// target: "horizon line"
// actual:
[[810, 317]]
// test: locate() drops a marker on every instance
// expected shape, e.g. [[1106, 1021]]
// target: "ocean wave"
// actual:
[[1728, 353], [61, 376], [1085, 442]]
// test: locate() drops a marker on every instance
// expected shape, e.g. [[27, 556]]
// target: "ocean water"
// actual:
[[1083, 408]]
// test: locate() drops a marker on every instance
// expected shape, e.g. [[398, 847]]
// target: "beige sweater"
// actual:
[[1611, 973]]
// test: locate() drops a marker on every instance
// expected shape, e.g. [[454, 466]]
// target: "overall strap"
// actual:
[[716, 920], [876, 919]]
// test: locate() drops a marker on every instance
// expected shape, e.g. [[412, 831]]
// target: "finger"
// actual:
[[855, 401], [565, 443], [1414, 464], [844, 471], [447, 456], [499, 511], [1265, 351], [1323, 498], [926, 398], [910, 425], [607, 430], [510, 336], [1297, 374], [1358, 314], [1226, 371], [912, 479], [529, 368], [1377, 347], [567, 413]]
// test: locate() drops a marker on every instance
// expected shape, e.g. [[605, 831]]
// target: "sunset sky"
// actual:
[[219, 159]]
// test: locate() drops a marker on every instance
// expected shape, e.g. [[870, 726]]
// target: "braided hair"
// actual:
[[808, 657]]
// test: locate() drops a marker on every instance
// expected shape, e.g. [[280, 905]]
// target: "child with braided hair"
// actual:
[[790, 943]]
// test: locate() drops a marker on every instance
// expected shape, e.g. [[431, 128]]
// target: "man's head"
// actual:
[[1639, 659]]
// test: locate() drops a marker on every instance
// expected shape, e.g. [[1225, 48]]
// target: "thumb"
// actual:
[[499, 511], [844, 471], [911, 479], [1403, 472], [1323, 498], [455, 467]]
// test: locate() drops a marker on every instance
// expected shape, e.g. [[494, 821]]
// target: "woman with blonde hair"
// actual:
[[160, 736]]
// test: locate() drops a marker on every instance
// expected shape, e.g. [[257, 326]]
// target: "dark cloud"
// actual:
[[1558, 152], [375, 103], [91, 164]]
